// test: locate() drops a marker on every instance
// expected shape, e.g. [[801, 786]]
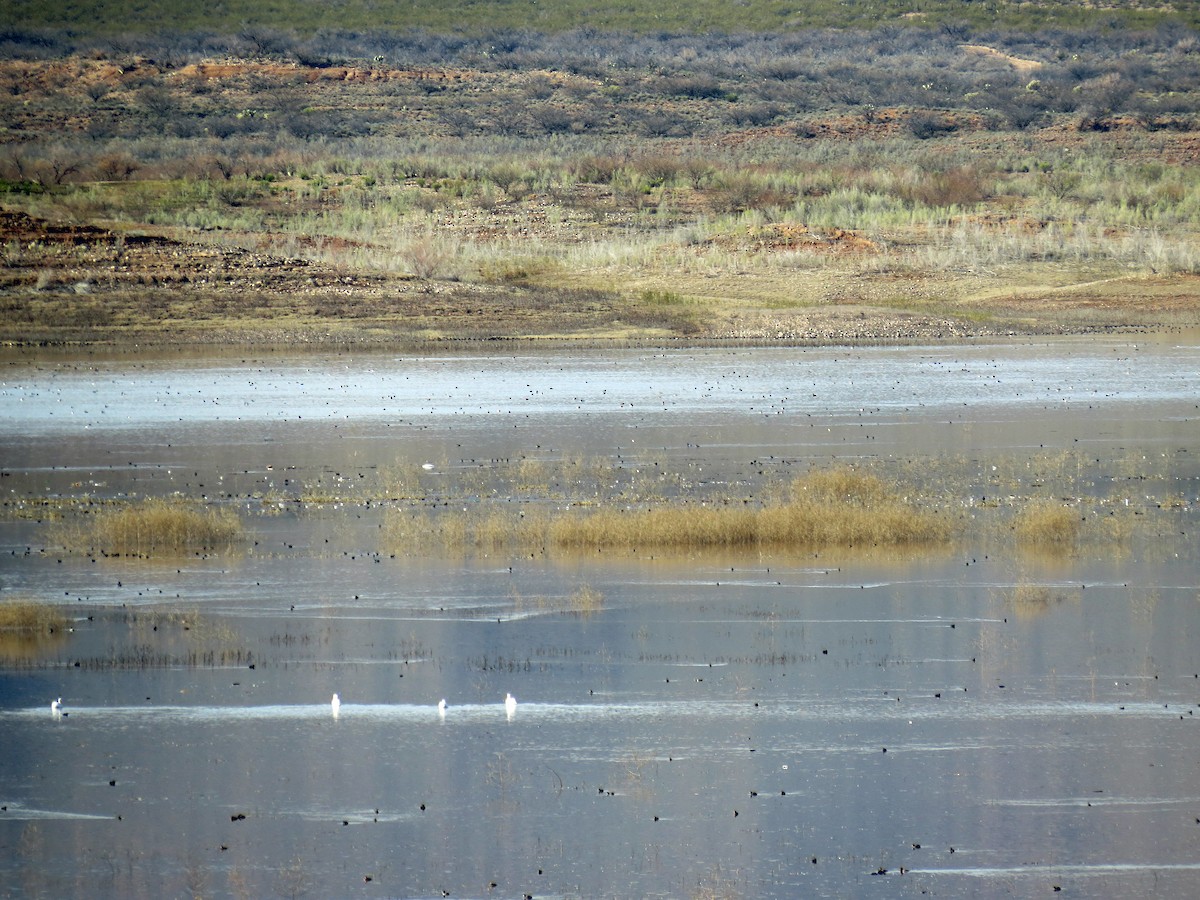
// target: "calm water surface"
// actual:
[[844, 725]]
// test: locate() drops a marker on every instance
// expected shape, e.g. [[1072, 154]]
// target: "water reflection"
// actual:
[[23, 647]]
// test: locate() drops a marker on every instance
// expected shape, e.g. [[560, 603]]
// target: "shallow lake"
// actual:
[[957, 722]]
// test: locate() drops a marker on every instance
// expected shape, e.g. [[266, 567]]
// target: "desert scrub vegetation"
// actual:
[[312, 29], [471, 186], [154, 528]]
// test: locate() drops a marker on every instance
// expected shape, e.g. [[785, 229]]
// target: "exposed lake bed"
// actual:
[[977, 717]]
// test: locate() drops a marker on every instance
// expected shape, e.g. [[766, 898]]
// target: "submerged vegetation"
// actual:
[[1029, 600], [585, 601]]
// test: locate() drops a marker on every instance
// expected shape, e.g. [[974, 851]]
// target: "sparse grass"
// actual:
[[844, 485], [139, 638], [200, 629], [716, 884], [584, 602], [157, 528], [28, 629], [1030, 600]]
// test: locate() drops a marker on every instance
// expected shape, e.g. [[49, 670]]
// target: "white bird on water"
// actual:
[[442, 708], [56, 706], [510, 705], [335, 704]]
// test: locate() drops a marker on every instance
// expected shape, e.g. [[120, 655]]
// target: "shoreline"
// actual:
[[16, 351], [83, 288]]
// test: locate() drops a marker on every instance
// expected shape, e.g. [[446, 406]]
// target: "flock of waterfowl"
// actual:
[[510, 706]]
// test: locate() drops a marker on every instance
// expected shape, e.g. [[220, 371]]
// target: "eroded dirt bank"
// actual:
[[65, 284]]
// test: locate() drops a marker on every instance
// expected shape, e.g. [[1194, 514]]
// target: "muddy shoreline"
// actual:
[[818, 331]]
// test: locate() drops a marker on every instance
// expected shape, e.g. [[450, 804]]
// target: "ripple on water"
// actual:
[[872, 707], [15, 812]]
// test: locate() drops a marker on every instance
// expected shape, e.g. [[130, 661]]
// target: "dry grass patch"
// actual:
[[158, 527]]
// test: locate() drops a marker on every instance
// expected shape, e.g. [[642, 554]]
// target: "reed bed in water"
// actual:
[[1046, 523], [840, 507], [19, 616], [156, 527], [482, 529]]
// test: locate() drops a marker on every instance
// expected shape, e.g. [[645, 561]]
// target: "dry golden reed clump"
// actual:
[[1047, 523], [840, 507], [161, 527], [30, 617]]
